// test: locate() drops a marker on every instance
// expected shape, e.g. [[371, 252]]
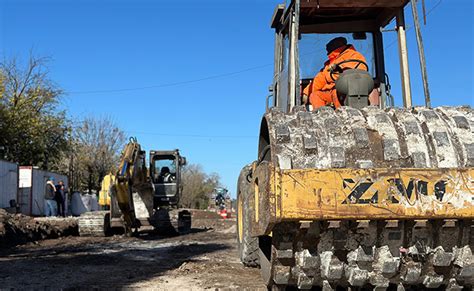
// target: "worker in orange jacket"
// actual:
[[321, 91]]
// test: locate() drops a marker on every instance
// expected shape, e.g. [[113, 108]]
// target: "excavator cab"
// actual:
[[165, 172], [367, 196]]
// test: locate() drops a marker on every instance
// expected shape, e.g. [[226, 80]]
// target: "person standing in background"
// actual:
[[49, 194], [59, 197]]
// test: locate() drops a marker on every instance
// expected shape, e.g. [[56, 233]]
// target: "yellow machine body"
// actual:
[[360, 194], [104, 195]]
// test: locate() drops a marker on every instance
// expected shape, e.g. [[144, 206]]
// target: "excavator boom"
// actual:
[[131, 177]]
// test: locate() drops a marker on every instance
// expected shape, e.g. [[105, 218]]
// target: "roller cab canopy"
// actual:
[[327, 16]]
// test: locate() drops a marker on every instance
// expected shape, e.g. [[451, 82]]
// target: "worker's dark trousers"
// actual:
[[60, 208]]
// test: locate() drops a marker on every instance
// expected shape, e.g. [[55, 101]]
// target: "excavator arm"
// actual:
[[131, 176], [131, 196]]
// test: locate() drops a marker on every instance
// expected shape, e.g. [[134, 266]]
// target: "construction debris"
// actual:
[[18, 229]]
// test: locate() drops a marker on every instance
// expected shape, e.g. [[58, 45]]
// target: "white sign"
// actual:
[[25, 178]]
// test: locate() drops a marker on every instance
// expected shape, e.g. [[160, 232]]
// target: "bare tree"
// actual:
[[97, 144]]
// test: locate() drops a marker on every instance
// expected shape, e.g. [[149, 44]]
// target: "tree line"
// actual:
[[35, 130]]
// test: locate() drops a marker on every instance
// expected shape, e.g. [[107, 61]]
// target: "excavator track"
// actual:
[[384, 253], [95, 223]]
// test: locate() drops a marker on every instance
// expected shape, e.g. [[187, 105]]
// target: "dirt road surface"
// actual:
[[206, 258]]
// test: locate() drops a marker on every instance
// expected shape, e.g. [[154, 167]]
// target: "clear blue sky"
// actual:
[[108, 45]]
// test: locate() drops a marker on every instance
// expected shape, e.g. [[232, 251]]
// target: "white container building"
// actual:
[[32, 182], [8, 183]]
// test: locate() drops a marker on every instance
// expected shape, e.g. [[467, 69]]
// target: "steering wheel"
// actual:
[[337, 70]]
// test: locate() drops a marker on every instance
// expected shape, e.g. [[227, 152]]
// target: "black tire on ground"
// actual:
[[248, 246]]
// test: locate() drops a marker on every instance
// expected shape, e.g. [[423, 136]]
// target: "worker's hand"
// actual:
[[334, 68], [304, 99]]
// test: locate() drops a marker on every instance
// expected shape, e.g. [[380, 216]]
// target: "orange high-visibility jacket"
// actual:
[[323, 81]]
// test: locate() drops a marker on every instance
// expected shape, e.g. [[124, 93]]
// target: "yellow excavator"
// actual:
[[139, 196], [367, 195], [104, 194]]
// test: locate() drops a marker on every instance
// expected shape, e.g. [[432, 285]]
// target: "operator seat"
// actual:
[[355, 85]]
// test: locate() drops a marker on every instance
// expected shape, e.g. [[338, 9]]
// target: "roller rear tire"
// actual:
[[248, 246]]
